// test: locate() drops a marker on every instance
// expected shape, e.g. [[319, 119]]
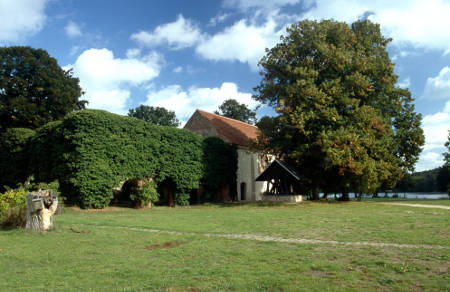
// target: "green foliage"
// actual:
[[231, 108], [13, 208], [34, 90], [156, 115], [341, 118], [447, 153], [141, 196], [90, 152], [220, 160], [14, 156], [433, 180], [182, 199]]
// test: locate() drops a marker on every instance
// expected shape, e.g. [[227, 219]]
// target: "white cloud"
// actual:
[[179, 34], [73, 30], [405, 83], [133, 53], [184, 103], [422, 23], [107, 80], [241, 42], [219, 19], [244, 5], [438, 87], [178, 69], [435, 128], [21, 18]]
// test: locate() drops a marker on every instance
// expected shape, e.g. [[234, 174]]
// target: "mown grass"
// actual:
[[86, 251]]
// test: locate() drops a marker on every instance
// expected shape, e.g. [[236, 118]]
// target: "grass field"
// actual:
[[120, 249]]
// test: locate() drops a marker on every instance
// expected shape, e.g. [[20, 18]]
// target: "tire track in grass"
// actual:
[[418, 205], [281, 239]]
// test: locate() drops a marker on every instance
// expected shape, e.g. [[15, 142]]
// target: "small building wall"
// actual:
[[250, 165]]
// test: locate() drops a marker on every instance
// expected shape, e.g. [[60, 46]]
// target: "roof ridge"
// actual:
[[228, 118]]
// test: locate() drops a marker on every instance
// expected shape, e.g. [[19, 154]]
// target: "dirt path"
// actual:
[[419, 205], [281, 239]]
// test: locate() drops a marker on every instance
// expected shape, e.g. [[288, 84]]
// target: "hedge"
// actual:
[[14, 156], [91, 151]]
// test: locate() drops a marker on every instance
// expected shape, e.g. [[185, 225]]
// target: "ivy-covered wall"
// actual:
[[92, 151]]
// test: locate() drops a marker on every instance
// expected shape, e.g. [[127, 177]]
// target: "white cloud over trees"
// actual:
[[107, 80], [435, 127], [21, 18], [185, 102], [438, 87]]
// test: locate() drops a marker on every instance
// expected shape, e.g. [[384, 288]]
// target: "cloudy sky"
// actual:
[[185, 55]]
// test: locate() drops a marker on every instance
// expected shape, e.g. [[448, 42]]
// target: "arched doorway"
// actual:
[[243, 191]]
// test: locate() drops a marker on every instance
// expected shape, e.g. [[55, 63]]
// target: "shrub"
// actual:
[[14, 156], [182, 199], [13, 208], [220, 161], [142, 196]]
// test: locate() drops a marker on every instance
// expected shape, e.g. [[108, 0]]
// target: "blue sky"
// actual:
[[185, 55]]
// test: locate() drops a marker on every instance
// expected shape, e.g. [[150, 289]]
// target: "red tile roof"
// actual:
[[231, 130]]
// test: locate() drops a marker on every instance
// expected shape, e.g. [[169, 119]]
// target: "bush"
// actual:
[[13, 208], [142, 196], [182, 199], [14, 156]]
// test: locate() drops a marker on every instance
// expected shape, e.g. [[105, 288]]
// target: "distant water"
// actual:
[[401, 195]]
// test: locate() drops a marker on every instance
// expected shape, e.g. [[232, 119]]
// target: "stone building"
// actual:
[[250, 163]]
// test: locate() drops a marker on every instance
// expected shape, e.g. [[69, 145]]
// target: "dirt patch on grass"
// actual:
[[168, 244], [79, 231]]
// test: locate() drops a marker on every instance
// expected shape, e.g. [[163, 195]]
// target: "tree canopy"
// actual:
[[156, 115], [34, 90], [231, 108], [342, 120]]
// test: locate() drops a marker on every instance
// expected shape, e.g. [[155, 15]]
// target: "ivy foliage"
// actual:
[[14, 156], [91, 151]]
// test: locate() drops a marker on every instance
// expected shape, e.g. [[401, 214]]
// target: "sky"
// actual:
[[188, 55]]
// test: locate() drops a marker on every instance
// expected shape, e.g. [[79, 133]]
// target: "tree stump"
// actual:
[[41, 207]]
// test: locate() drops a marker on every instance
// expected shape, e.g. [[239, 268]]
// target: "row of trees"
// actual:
[[341, 120]]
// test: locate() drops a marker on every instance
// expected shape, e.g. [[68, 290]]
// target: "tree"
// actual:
[[447, 154], [156, 115], [444, 174], [231, 108], [34, 90], [341, 118]]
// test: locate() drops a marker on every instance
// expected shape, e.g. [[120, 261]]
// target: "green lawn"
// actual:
[[101, 256]]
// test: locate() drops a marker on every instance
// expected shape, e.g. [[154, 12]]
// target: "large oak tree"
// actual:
[[34, 90], [342, 120]]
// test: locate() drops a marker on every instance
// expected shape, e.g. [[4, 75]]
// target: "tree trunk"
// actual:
[[41, 206], [315, 194], [345, 196]]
